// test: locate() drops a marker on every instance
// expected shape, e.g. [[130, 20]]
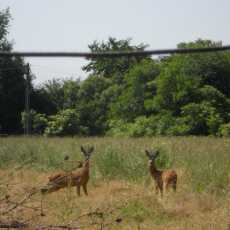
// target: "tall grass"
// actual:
[[204, 161]]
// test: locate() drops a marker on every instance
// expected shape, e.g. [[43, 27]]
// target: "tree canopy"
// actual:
[[129, 96], [12, 82]]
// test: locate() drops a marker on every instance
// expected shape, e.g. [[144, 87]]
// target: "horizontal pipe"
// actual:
[[113, 54]]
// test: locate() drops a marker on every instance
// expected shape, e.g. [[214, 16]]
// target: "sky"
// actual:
[[71, 25]]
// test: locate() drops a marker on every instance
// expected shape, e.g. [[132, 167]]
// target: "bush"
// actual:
[[118, 128], [38, 121], [202, 118], [66, 122], [224, 130], [142, 126]]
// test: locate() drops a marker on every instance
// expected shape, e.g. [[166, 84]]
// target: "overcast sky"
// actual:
[[70, 25]]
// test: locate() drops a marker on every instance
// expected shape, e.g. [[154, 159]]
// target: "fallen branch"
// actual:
[[24, 206], [69, 227], [13, 224], [27, 197]]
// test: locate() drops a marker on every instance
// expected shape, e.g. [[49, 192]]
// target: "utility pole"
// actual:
[[27, 101]]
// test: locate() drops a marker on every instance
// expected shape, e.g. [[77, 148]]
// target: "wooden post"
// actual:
[[27, 101]]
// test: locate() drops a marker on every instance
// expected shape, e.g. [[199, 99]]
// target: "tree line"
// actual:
[[127, 96]]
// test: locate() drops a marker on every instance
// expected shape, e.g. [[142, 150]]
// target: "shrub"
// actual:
[[66, 122], [118, 128], [224, 130], [142, 126], [202, 118], [38, 121]]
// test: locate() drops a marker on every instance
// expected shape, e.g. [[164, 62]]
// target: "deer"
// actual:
[[163, 178], [79, 177]]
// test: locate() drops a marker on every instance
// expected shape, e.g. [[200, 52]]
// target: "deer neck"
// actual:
[[153, 170], [86, 166]]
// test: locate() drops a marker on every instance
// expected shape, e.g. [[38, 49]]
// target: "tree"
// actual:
[[38, 121], [94, 100], [193, 89], [113, 67], [214, 68], [53, 89], [138, 90], [55, 95], [12, 82], [65, 122]]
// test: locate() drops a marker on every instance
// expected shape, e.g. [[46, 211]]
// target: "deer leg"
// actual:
[[161, 190], [165, 187], [160, 187], [174, 185], [156, 189], [78, 190], [85, 189]]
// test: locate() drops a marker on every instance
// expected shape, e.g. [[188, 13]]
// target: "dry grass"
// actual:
[[113, 193]]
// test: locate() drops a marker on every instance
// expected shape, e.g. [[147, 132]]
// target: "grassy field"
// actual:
[[121, 191]]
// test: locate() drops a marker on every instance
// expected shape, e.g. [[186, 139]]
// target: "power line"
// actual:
[[113, 54]]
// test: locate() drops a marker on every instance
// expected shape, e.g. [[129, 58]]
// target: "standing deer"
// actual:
[[78, 177], [163, 179]]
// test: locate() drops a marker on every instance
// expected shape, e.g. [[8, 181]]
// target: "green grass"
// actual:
[[120, 178], [204, 160], [139, 210]]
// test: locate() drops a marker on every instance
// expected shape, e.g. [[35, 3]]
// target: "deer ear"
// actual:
[[91, 149], [83, 150], [157, 153], [66, 158], [147, 153]]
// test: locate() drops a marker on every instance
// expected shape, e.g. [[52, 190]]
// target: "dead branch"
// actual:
[[27, 197], [69, 227], [13, 224], [24, 206]]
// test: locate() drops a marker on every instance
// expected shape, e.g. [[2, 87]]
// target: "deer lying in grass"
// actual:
[[163, 179], [78, 177]]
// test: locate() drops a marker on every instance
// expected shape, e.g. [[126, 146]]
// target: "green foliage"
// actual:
[[214, 68], [95, 95], [216, 99], [66, 122], [201, 118], [137, 89], [109, 67], [127, 96], [71, 93], [118, 128], [224, 130], [142, 126], [55, 92], [37, 121], [4, 25], [175, 87], [12, 82]]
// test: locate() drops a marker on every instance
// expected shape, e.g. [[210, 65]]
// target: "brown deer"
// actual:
[[78, 177], [163, 179]]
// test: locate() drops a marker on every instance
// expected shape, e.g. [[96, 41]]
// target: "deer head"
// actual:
[[87, 152], [152, 154]]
